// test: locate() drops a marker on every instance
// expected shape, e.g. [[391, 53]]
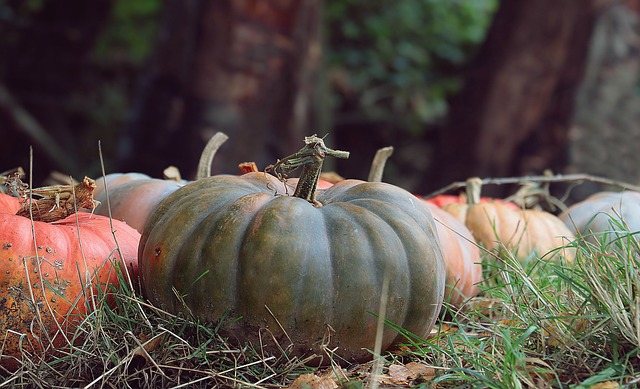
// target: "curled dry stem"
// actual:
[[310, 158], [53, 203]]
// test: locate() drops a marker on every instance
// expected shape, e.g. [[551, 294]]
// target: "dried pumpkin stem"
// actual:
[[310, 158], [56, 202], [378, 163], [474, 189], [210, 150]]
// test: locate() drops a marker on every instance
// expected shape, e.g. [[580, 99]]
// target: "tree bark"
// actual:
[[514, 112], [249, 70]]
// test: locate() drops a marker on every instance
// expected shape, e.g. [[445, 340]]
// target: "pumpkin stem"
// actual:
[[206, 158], [378, 164], [56, 202], [474, 189], [248, 167], [310, 158]]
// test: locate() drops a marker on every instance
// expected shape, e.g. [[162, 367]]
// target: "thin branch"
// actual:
[[579, 178], [27, 124]]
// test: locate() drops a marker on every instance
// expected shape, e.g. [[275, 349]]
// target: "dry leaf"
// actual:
[[312, 381], [605, 385], [404, 374]]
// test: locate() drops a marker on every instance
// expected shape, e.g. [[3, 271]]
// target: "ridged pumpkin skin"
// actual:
[[132, 200], [55, 279], [522, 231], [461, 256], [605, 212], [230, 244]]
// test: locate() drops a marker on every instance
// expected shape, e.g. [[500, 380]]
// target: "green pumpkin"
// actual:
[[306, 275]]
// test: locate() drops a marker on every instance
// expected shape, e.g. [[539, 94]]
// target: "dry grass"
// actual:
[[536, 324]]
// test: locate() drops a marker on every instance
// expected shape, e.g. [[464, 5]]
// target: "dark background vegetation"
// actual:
[[459, 88]]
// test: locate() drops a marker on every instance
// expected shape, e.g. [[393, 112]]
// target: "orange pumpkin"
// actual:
[[461, 256], [51, 276], [9, 204], [521, 231], [444, 199]]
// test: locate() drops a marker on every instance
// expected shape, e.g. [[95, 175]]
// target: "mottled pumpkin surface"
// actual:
[[43, 282], [306, 276]]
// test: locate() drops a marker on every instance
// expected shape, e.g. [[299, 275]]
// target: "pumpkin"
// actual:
[[461, 256], [612, 214], [521, 231], [49, 273], [9, 204], [132, 196], [444, 199], [306, 271], [461, 253], [291, 183]]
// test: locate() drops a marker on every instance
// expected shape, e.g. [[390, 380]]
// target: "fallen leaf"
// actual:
[[404, 374], [605, 385], [312, 381]]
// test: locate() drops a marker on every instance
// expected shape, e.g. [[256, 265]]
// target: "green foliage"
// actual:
[[131, 31], [400, 59]]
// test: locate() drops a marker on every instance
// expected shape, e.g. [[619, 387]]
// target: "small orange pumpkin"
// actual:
[[51, 274], [521, 231], [461, 256]]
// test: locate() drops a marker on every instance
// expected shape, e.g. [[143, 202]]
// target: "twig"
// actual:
[[26, 123], [541, 179]]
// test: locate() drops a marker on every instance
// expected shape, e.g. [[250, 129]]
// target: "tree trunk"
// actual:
[[514, 112], [246, 68], [605, 136]]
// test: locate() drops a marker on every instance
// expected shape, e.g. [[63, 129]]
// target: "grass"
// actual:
[[535, 324]]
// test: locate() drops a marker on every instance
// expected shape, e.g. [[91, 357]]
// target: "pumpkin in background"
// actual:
[[613, 214], [521, 231], [132, 201], [44, 289], [461, 256], [461, 253], [306, 271], [326, 180], [444, 199], [132, 196]]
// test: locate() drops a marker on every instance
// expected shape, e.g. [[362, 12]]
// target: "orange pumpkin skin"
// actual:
[[41, 293], [9, 204], [521, 231], [442, 200], [133, 200], [461, 256]]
